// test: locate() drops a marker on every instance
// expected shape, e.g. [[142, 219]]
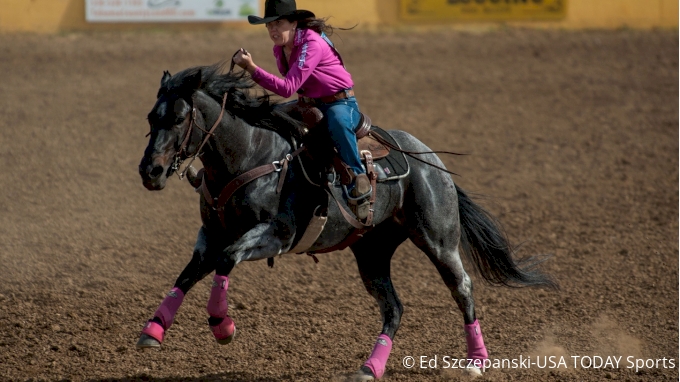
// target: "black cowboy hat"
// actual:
[[276, 9]]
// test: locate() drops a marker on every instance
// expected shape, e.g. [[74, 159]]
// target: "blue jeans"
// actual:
[[343, 117]]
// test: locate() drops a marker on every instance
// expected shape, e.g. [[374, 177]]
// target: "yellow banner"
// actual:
[[483, 10]]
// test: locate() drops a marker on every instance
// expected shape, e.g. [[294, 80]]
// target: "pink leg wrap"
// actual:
[[154, 330], [475, 342], [217, 304], [224, 329], [168, 308], [378, 358]]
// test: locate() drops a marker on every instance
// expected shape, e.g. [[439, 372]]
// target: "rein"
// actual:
[[233, 63], [218, 203], [412, 154], [178, 159]]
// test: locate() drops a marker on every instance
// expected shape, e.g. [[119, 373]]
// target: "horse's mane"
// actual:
[[257, 110]]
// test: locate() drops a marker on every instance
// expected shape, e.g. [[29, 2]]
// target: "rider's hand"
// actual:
[[245, 61]]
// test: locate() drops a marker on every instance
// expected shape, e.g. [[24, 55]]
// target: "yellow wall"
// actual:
[[580, 14], [49, 16], [618, 13]]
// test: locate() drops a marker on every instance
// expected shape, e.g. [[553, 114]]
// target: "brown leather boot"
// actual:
[[362, 188]]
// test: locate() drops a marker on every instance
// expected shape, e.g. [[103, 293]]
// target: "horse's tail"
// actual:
[[484, 242]]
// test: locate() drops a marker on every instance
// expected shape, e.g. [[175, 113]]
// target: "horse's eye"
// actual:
[[179, 120]]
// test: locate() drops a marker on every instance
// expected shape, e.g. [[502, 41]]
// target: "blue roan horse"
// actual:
[[268, 214]]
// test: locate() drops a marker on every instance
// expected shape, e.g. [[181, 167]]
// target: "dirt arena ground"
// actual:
[[573, 138]]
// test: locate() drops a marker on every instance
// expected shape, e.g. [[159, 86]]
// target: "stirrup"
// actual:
[[361, 209], [360, 206], [358, 199]]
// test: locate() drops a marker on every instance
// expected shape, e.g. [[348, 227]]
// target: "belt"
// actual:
[[342, 94]]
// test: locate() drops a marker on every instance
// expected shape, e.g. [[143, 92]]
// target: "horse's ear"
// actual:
[[165, 79]]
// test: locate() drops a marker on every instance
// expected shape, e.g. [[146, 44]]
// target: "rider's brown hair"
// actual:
[[317, 25]]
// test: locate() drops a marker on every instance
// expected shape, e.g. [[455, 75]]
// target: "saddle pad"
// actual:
[[394, 165]]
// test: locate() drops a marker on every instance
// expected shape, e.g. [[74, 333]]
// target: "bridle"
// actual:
[[218, 203], [178, 160]]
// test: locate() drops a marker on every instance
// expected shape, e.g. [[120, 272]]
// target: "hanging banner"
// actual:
[[483, 10], [169, 10]]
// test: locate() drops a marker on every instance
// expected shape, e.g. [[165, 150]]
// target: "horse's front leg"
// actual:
[[203, 261], [373, 255], [261, 242]]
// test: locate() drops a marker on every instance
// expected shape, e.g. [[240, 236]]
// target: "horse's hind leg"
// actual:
[[457, 280], [434, 227], [373, 254], [441, 246], [202, 263]]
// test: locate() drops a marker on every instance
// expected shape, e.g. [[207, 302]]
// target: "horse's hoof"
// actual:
[[226, 341], [473, 371], [363, 374], [147, 342]]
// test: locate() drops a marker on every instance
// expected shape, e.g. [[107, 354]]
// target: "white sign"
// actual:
[[169, 10]]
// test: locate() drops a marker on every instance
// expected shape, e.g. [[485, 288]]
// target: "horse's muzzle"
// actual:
[[153, 176]]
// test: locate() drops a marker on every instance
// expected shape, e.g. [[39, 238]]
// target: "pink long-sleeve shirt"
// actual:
[[315, 68]]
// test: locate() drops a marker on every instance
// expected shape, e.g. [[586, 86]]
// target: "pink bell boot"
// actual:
[[378, 358], [475, 345], [221, 325], [166, 314]]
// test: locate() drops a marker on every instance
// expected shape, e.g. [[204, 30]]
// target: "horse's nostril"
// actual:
[[156, 172]]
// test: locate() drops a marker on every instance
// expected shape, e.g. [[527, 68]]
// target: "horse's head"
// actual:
[[170, 121], [186, 101]]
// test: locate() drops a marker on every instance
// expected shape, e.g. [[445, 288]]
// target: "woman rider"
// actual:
[[313, 68]]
